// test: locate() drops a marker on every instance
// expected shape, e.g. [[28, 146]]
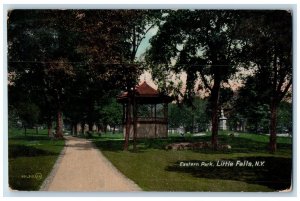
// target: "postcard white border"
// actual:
[[58, 5]]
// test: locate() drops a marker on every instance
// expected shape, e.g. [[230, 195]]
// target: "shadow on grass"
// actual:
[[80, 146], [110, 145], [31, 137], [275, 174], [238, 144], [16, 150]]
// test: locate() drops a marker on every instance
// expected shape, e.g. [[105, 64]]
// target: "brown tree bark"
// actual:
[[128, 124], [59, 124], [214, 116], [134, 123], [82, 128], [49, 127], [75, 129], [273, 125], [91, 127]]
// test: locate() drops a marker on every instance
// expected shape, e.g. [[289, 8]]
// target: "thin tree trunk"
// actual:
[[99, 129], [75, 129], [135, 123], [36, 130], [114, 129], [128, 123], [273, 125], [72, 129], [59, 125], [91, 127], [105, 128], [82, 128], [49, 126], [25, 130], [214, 116]]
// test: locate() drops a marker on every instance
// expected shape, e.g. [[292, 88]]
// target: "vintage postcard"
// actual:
[[150, 100]]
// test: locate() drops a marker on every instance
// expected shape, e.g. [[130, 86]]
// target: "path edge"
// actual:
[[109, 163], [46, 183]]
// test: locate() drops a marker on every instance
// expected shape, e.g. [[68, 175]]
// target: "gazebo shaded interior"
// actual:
[[151, 112]]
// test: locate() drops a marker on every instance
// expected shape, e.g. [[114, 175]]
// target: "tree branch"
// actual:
[[281, 96], [204, 80], [281, 81]]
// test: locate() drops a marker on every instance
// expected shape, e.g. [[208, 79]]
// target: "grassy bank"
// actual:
[[155, 169], [31, 158]]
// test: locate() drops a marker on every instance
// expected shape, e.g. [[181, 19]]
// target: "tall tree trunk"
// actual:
[[36, 130], [25, 130], [82, 128], [214, 116], [105, 128], [114, 129], [49, 127], [91, 127], [59, 125], [273, 125], [72, 129], [135, 123], [99, 129], [75, 129], [128, 124]]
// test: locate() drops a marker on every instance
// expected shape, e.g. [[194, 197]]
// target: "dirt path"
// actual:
[[82, 167]]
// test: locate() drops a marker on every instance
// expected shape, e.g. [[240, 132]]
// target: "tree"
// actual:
[[269, 48], [123, 32], [29, 114], [284, 117], [252, 104], [187, 116], [180, 116], [112, 114], [204, 45], [40, 53]]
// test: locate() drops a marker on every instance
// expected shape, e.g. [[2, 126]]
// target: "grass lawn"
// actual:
[[31, 158], [155, 169]]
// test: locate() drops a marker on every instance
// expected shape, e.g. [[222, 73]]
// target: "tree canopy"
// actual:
[[70, 63]]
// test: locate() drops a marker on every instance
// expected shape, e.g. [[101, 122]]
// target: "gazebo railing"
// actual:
[[151, 120]]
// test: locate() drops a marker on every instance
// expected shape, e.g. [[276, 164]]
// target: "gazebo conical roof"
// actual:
[[145, 94]]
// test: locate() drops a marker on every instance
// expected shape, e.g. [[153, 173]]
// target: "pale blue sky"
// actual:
[[145, 42]]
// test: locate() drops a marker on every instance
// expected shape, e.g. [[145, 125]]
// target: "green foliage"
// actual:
[[285, 117], [111, 114], [13, 118], [253, 105], [28, 113], [201, 42], [70, 60], [189, 117]]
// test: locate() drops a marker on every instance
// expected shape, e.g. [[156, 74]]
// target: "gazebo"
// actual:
[[145, 112]]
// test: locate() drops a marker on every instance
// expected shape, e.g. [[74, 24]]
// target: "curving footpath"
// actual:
[[82, 167]]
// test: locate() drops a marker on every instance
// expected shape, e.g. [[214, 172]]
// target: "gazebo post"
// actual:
[[134, 121], [166, 116], [128, 123], [123, 114], [155, 132], [143, 94]]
